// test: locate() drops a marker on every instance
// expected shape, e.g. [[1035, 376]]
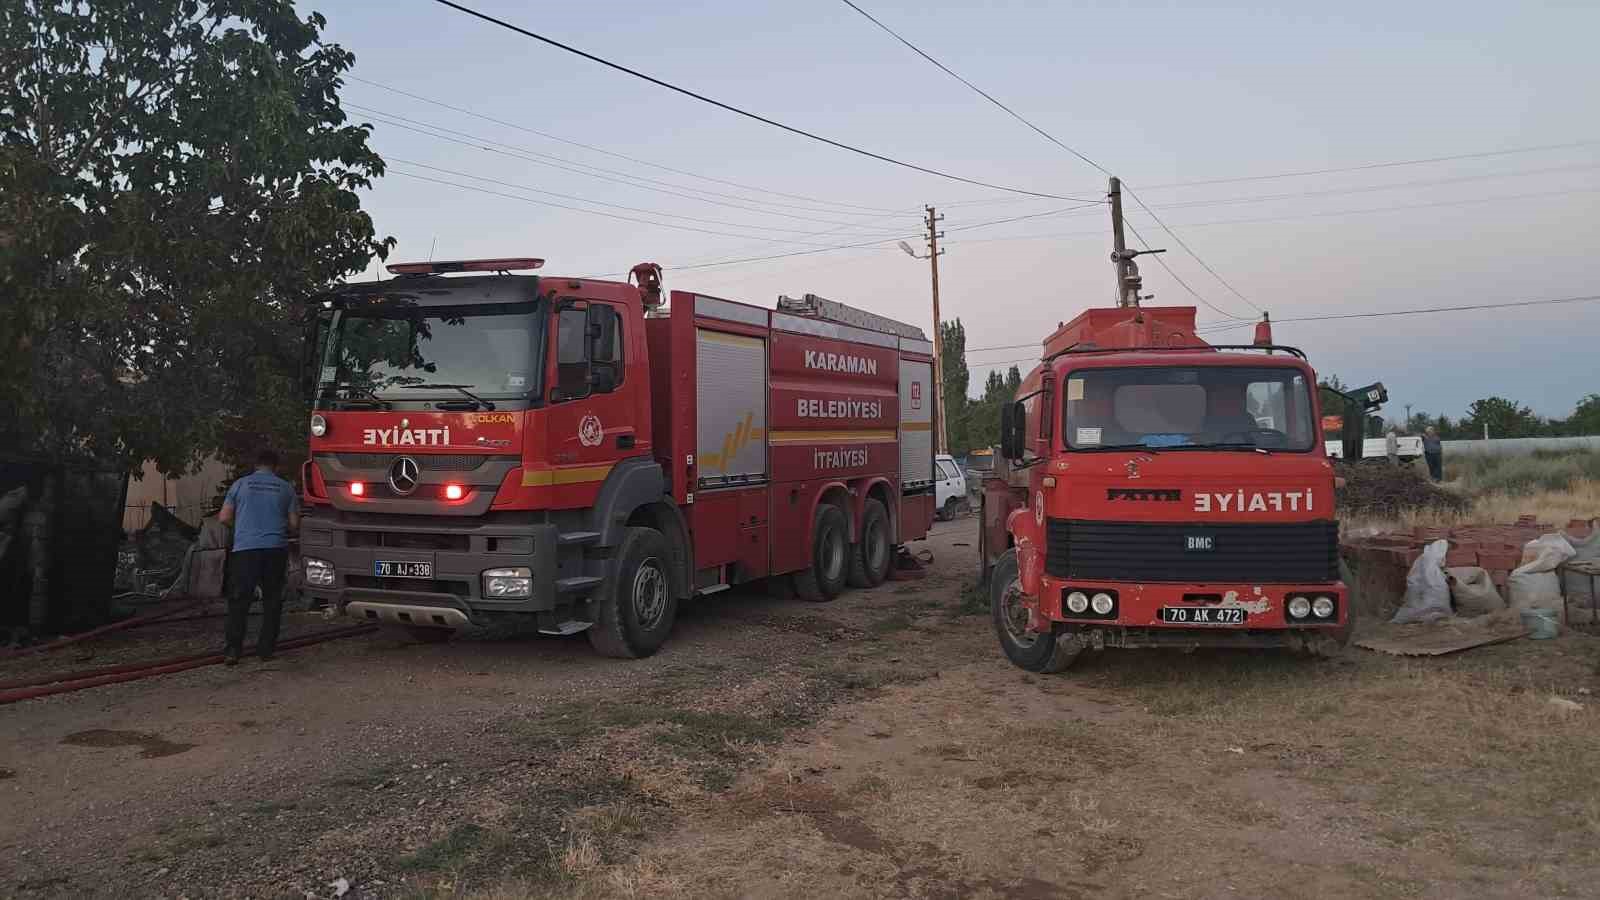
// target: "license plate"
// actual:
[[1202, 615], [385, 568]]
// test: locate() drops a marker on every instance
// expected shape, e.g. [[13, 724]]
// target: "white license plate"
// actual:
[[1202, 615], [384, 568]]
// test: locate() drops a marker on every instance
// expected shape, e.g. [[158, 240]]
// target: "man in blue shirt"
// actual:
[[263, 511]]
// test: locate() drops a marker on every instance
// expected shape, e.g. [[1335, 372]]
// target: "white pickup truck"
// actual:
[[1375, 448]]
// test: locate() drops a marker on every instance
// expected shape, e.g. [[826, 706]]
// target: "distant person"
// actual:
[[1433, 452], [263, 511], [1391, 447]]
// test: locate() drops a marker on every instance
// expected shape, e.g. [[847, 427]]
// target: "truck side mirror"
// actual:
[[1013, 430]]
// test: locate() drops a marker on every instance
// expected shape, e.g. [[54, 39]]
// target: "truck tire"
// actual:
[[824, 579], [952, 508], [1032, 651], [1352, 602], [871, 556], [635, 606]]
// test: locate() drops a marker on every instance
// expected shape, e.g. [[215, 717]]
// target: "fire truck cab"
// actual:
[[1161, 492]]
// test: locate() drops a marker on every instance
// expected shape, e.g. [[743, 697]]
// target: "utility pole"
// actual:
[[1408, 417], [1119, 245], [932, 256], [1128, 281], [938, 343]]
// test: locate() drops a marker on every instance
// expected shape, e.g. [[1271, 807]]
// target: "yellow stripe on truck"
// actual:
[[577, 475], [869, 436]]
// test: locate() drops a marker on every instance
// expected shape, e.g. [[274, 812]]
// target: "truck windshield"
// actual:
[[1206, 407], [403, 352]]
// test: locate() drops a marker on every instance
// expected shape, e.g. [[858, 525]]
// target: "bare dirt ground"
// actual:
[[878, 746]]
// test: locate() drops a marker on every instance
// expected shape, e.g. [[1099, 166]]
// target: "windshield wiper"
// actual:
[[486, 404], [1144, 447], [365, 391], [1232, 446]]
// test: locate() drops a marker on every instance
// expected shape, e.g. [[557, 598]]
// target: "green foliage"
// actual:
[[176, 178], [953, 369], [1503, 419]]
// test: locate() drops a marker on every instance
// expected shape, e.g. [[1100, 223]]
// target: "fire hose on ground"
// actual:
[[61, 683]]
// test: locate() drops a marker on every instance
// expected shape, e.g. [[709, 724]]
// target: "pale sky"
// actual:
[[1157, 93]]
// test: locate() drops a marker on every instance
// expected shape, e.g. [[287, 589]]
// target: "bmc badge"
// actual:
[[590, 432]]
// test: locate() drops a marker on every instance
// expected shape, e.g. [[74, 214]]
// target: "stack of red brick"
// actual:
[[1496, 548]]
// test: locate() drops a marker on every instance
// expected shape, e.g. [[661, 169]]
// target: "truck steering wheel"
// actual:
[[1265, 438]]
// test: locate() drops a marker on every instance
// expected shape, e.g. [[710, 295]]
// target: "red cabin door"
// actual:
[[591, 400]]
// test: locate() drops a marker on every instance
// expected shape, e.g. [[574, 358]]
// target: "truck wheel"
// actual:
[[952, 508], [824, 579], [1352, 602], [636, 606], [1029, 650], [870, 557]]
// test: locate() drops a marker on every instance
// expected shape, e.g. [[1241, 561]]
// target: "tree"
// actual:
[[953, 369], [176, 179], [1503, 419], [1585, 419]]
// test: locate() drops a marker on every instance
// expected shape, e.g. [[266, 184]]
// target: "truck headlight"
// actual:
[[319, 572], [319, 426], [1322, 607], [1299, 607], [508, 584], [1102, 604], [1077, 601]]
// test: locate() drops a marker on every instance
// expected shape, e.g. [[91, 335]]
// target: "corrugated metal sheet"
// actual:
[[916, 421], [731, 396]]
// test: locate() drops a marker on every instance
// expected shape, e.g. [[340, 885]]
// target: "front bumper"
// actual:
[[1138, 606], [459, 549]]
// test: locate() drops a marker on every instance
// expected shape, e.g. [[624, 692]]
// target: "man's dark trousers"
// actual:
[[252, 569]]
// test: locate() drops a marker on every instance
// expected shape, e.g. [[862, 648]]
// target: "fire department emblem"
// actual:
[[590, 431]]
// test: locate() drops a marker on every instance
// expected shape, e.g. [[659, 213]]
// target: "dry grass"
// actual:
[[1580, 500]]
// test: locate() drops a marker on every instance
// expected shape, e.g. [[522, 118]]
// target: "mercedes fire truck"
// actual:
[[574, 453]]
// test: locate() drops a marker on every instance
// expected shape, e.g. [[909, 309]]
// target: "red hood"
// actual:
[[420, 431], [1191, 486]]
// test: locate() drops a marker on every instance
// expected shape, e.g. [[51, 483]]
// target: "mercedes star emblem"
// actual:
[[403, 475]]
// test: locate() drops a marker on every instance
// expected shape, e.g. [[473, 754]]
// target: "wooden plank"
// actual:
[[1437, 639]]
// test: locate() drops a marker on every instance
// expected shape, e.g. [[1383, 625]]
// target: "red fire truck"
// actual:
[[1161, 492], [569, 451]]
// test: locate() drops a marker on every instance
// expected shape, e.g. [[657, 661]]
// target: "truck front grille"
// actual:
[[409, 540], [437, 462], [1276, 553], [422, 585]]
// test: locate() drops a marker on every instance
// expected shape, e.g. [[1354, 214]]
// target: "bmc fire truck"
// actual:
[[1157, 491], [571, 453]]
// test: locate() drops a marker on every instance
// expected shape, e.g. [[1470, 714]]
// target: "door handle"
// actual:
[[624, 442]]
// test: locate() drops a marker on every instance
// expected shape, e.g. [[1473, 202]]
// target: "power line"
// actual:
[[623, 156], [575, 198], [1228, 326], [736, 110], [985, 94], [510, 150], [594, 212], [1409, 312], [1187, 249], [1392, 186], [1175, 277], [1380, 165], [1054, 140], [1316, 215]]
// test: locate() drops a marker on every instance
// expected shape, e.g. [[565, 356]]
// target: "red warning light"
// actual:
[[357, 489], [454, 492]]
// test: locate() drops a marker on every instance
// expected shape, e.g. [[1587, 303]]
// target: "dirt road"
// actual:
[[876, 746]]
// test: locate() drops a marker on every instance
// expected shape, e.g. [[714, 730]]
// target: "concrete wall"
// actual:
[[1519, 446], [188, 497]]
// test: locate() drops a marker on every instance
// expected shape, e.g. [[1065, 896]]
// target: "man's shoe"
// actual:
[[230, 658], [264, 657]]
